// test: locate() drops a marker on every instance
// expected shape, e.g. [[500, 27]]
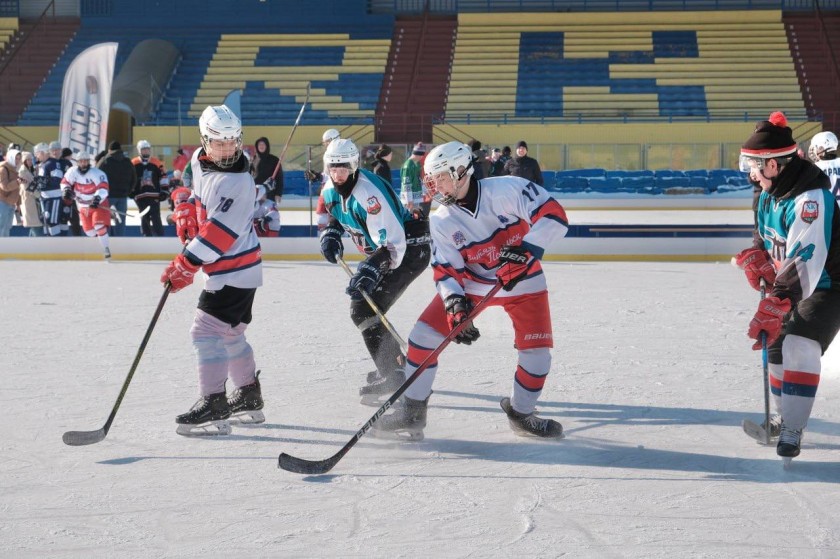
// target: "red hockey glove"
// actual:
[[756, 266], [458, 310], [769, 318], [515, 261], [186, 221], [179, 273]]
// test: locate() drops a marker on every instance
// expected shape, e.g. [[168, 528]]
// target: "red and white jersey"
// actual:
[[509, 211], [85, 186], [269, 209], [831, 167], [226, 243]]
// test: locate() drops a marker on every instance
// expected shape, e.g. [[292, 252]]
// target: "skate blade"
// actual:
[[787, 462], [250, 417], [209, 429], [756, 431], [398, 435], [519, 432], [374, 400]]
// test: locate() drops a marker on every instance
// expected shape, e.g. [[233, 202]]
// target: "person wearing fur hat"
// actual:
[[523, 165], [796, 253]]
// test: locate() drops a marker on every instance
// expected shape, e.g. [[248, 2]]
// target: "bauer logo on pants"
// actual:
[[810, 211]]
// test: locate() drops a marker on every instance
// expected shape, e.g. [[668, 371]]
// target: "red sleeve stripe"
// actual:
[[529, 382], [478, 279], [234, 263], [216, 236], [552, 210], [443, 272]]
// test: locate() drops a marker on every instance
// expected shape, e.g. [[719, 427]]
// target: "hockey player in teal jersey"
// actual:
[[796, 250], [397, 250]]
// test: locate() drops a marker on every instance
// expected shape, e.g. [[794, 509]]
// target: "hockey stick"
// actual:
[[143, 212], [79, 438], [385, 322], [301, 466], [766, 368], [292, 133]]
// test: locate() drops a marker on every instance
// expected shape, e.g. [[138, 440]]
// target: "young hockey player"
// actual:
[[495, 229], [823, 152], [48, 174], [89, 187], [266, 215], [221, 241], [150, 189], [797, 252], [397, 249]]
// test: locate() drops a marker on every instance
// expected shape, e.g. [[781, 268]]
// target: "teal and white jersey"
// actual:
[[797, 232], [372, 214]]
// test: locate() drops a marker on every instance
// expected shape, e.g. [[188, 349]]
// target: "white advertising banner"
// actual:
[[86, 99]]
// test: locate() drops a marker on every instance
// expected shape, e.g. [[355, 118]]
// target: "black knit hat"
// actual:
[[419, 149], [114, 146], [771, 138], [521, 144], [383, 151]]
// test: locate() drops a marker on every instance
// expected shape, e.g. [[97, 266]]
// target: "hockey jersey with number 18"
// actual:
[[466, 245], [226, 243]]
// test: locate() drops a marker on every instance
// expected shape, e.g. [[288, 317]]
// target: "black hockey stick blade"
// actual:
[[81, 438], [301, 466]]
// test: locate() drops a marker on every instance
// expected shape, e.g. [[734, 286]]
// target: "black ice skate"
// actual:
[[758, 432], [381, 387], [246, 402], [405, 423], [207, 417], [107, 255], [530, 425], [790, 444]]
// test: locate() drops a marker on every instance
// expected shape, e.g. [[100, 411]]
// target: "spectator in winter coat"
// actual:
[[30, 207], [180, 162], [497, 165], [481, 165], [524, 166], [9, 190], [381, 163], [121, 179], [262, 169]]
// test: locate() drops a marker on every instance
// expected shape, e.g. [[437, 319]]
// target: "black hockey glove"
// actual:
[[514, 264], [458, 308], [369, 274], [313, 176], [67, 194], [262, 225], [163, 196], [331, 246], [95, 202]]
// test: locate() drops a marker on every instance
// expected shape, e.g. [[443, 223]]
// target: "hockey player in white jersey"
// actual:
[[89, 187], [224, 245], [486, 231], [823, 152], [266, 215]]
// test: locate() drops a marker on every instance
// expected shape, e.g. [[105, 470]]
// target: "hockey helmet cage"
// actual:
[[219, 124], [821, 144], [342, 153], [143, 144], [452, 158]]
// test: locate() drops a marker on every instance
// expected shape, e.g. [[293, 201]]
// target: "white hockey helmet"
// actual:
[[84, 155], [262, 193], [55, 145], [822, 143], [453, 159], [219, 124], [341, 153], [41, 147], [330, 135], [143, 144]]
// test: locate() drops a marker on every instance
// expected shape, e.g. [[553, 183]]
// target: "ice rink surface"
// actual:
[[651, 378]]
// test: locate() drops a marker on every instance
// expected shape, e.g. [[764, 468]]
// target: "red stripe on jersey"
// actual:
[[442, 272], [227, 264], [799, 377], [775, 383], [552, 208], [528, 380], [487, 253], [215, 236], [200, 211]]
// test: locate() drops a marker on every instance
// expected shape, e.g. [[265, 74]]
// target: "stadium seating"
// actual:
[[651, 64], [8, 26]]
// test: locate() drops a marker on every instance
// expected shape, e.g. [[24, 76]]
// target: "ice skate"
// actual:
[[406, 423], [207, 417], [246, 402], [530, 425], [790, 444], [378, 390], [107, 254], [757, 431]]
